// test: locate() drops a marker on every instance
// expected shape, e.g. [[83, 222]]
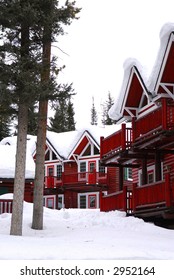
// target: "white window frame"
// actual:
[[63, 204], [87, 199], [150, 170], [49, 197]]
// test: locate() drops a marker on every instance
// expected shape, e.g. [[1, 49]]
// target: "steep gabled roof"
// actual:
[[92, 135], [65, 144], [133, 94], [162, 77], [62, 143], [136, 91]]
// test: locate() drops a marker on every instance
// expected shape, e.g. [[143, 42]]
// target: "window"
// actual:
[[101, 169], [50, 203], [54, 155], [82, 201], [127, 173], [60, 201], [96, 151], [92, 166], [59, 171], [150, 177], [83, 166], [82, 175], [92, 201], [88, 200], [50, 171], [87, 152], [47, 156]]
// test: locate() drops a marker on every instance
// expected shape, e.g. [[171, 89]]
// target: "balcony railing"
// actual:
[[76, 179], [6, 205], [155, 122], [143, 130], [116, 142], [121, 200], [147, 197], [153, 195]]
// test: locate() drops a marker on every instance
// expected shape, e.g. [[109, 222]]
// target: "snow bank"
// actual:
[[8, 160], [73, 234]]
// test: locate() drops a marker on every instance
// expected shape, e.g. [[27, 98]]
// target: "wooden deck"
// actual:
[[151, 200], [156, 128], [83, 178]]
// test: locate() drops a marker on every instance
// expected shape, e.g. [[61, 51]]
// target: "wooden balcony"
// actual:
[[115, 143], [121, 201], [72, 179], [154, 198], [155, 128], [151, 200]]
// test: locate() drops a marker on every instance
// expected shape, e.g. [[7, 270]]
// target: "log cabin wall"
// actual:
[[70, 167], [113, 182]]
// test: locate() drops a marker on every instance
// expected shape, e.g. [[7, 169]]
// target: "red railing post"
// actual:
[[134, 196], [164, 113], [133, 130], [101, 146], [167, 190], [125, 198], [123, 136], [101, 201]]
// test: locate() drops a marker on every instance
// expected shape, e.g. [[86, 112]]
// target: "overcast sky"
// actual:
[[107, 33]]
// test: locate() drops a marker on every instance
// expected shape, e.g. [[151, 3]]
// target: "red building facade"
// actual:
[[74, 176], [145, 142]]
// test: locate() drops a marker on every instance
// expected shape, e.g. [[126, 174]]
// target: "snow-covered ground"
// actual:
[[76, 234]]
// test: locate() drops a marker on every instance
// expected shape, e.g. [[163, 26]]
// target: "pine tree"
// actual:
[[106, 106], [32, 119], [63, 119], [27, 74], [18, 78], [70, 116], [55, 18], [94, 117], [5, 125]]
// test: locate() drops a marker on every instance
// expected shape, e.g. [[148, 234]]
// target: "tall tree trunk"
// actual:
[[19, 182], [37, 222]]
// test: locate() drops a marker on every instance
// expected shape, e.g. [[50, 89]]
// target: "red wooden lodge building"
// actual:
[[129, 166], [147, 144], [74, 176]]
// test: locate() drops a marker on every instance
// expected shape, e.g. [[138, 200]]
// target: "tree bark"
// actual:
[[19, 182], [37, 222]]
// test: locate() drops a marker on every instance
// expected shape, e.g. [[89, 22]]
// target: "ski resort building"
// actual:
[[146, 145], [74, 176]]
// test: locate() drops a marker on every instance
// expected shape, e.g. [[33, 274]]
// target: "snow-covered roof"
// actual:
[[64, 143], [7, 162], [8, 157], [166, 34], [129, 64]]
